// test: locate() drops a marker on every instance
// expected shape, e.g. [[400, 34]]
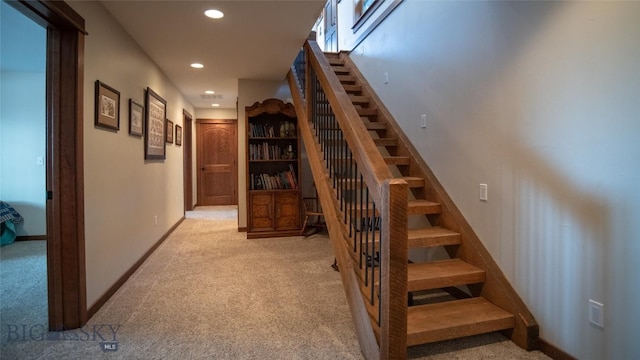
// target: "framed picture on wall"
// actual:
[[107, 106], [178, 135], [136, 113], [169, 131], [154, 126]]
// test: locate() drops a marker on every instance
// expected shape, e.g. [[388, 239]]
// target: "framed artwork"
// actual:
[[154, 126], [107, 106], [178, 135], [169, 131], [136, 112]]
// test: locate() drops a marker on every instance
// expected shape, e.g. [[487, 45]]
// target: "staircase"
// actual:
[[461, 295]]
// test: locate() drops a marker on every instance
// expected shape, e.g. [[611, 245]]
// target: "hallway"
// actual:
[[209, 293]]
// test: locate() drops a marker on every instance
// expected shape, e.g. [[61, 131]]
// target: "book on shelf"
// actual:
[[266, 151], [261, 131], [279, 181]]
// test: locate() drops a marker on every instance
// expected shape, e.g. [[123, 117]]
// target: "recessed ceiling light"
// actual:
[[209, 92], [214, 14], [215, 105], [197, 66]]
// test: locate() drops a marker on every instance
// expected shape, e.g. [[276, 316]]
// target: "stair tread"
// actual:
[[375, 125], [454, 319], [423, 207], [347, 78], [334, 60], [434, 236], [339, 69], [412, 181], [397, 160], [386, 142], [352, 88], [367, 111], [442, 273], [359, 99]]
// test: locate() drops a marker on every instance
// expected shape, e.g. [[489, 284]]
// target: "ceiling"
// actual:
[[255, 40]]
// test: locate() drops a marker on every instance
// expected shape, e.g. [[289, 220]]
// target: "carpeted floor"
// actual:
[[209, 293], [23, 285]]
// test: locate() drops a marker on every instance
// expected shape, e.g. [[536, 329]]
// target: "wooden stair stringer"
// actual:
[[496, 288]]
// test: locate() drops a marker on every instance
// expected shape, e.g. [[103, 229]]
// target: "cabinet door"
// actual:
[[261, 212], [287, 212]]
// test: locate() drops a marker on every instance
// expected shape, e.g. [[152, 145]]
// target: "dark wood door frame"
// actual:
[[66, 273], [188, 160]]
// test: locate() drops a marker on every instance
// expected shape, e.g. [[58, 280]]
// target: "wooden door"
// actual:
[[331, 26], [217, 162], [287, 211]]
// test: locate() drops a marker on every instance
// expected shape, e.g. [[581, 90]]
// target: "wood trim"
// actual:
[[375, 23], [56, 13], [553, 351], [118, 284], [66, 279], [187, 160], [394, 297], [364, 330], [216, 121], [31, 237], [360, 17], [243, 229]]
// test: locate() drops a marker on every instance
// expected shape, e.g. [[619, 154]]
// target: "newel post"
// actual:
[[394, 255]]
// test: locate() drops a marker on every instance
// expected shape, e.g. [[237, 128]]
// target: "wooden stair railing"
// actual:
[[361, 131], [376, 289]]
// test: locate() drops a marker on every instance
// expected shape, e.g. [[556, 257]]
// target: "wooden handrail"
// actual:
[[374, 169], [391, 196], [364, 330]]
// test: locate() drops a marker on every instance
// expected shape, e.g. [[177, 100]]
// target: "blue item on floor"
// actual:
[[8, 218], [8, 233]]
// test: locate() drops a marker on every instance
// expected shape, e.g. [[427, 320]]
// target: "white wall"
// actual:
[[123, 192], [347, 37], [23, 45], [250, 92], [539, 100], [22, 141]]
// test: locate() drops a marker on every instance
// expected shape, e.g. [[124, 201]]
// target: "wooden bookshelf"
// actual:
[[273, 163]]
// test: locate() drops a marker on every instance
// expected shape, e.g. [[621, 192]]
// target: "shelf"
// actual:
[[268, 161], [273, 138], [273, 187], [273, 190]]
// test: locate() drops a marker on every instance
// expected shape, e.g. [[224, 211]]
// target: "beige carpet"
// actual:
[[23, 285], [209, 293]]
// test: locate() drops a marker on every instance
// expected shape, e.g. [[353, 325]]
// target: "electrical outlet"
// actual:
[[596, 313], [155, 220], [386, 77], [40, 160], [423, 121], [484, 192]]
